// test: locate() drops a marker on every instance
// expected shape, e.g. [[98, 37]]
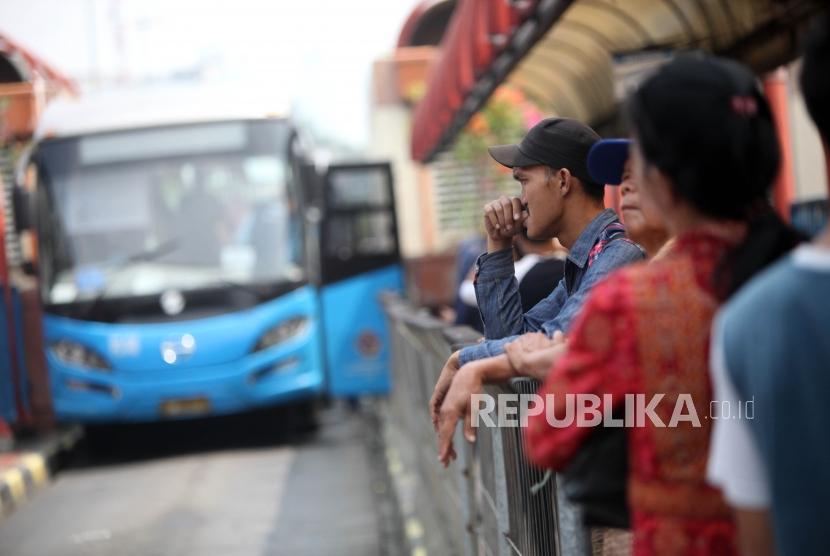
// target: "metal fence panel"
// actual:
[[491, 501]]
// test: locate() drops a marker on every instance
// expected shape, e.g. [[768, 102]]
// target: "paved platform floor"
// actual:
[[240, 486]]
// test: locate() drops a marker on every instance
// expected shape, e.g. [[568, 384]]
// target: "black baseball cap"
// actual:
[[555, 142], [606, 160]]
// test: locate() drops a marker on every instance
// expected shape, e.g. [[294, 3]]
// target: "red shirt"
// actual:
[[645, 330]]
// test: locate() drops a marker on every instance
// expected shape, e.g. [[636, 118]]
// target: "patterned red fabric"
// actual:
[[645, 330]]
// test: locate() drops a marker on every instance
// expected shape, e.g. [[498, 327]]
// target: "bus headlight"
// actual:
[[78, 355], [285, 330]]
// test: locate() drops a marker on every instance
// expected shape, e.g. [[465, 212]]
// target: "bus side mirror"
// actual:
[[23, 209]]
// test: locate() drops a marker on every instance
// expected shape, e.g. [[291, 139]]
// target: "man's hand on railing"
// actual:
[[442, 386], [534, 354], [456, 406], [457, 403]]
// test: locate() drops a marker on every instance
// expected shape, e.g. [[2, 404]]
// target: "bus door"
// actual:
[[360, 258]]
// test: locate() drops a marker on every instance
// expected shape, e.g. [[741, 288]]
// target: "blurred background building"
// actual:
[[469, 73]]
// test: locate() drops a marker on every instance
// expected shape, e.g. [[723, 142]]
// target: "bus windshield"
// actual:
[[141, 212]]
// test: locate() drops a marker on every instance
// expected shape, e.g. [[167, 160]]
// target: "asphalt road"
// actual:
[[246, 485]]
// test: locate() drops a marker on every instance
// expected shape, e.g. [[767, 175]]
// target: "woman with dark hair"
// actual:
[[705, 155]]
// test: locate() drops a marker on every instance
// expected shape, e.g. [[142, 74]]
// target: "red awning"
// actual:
[[484, 41]]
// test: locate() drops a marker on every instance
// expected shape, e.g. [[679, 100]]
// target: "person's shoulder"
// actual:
[[615, 291], [757, 323], [617, 254], [623, 288], [766, 293], [623, 278], [623, 249]]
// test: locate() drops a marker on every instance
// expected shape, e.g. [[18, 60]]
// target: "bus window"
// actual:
[[356, 188], [216, 194], [359, 230]]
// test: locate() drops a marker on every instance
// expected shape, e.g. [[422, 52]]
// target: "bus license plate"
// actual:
[[185, 407]]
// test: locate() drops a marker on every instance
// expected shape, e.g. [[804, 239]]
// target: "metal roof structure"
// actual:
[[561, 53]]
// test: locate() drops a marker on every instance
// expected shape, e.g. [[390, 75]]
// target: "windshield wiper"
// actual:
[[254, 290], [118, 264]]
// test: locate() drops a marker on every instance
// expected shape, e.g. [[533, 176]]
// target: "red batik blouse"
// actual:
[[645, 330]]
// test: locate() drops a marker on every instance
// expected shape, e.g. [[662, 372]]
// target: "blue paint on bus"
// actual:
[[181, 276], [356, 335], [223, 373]]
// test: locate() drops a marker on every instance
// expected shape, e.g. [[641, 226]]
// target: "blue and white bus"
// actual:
[[192, 262]]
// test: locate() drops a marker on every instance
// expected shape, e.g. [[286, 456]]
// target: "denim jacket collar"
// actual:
[[589, 236]]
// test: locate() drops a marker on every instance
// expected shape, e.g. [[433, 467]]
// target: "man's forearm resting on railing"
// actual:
[[534, 354], [530, 355]]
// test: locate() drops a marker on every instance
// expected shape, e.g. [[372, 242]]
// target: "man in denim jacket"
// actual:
[[559, 199]]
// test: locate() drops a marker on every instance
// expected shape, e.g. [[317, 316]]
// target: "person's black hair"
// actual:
[[595, 191], [815, 74], [768, 237], [705, 124]]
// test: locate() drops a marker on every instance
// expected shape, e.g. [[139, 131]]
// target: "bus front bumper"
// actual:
[[172, 393]]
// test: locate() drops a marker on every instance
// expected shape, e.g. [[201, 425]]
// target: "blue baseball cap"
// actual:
[[606, 160]]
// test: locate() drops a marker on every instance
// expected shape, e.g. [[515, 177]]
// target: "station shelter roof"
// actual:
[[563, 53]]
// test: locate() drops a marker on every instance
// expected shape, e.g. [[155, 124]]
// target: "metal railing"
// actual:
[[490, 500]]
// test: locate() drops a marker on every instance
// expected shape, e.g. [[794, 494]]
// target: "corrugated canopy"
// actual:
[[561, 52]]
